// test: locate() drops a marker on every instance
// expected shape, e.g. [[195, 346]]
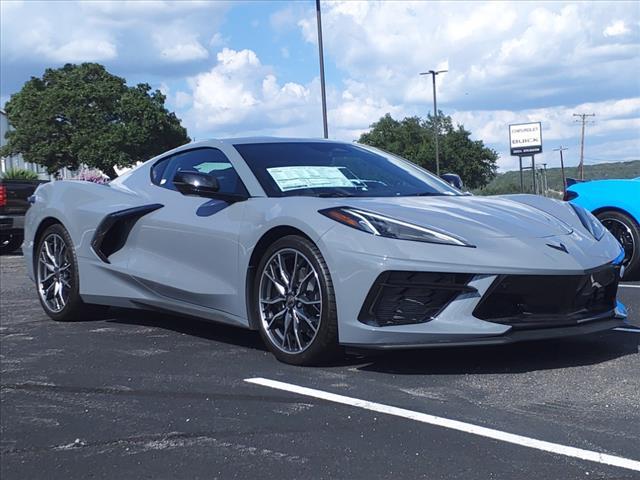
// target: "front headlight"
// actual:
[[589, 221], [377, 224]]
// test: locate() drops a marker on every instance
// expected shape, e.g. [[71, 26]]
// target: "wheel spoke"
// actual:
[[295, 329], [309, 302], [48, 277], [272, 301], [306, 319], [48, 253], [283, 274], [61, 297], [276, 316], [294, 272], [47, 290], [304, 280], [281, 289]]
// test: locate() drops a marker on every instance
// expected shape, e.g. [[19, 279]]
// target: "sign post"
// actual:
[[525, 140]]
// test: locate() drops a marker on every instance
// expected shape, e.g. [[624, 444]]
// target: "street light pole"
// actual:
[[322, 86], [436, 129]]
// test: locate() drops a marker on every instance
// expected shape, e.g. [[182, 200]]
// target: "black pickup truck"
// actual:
[[14, 203]]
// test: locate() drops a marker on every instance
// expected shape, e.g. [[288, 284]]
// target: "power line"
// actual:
[[583, 119]]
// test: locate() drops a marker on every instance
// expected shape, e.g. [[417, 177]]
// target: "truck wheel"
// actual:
[[10, 243]]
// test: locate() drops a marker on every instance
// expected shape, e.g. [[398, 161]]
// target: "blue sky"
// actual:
[[245, 68]]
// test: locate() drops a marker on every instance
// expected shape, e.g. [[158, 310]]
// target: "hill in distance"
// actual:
[[509, 182]]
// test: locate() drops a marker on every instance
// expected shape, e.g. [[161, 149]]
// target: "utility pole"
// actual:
[[322, 86], [436, 129], [564, 180], [583, 119]]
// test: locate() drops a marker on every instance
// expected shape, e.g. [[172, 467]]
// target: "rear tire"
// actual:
[[57, 278], [294, 303], [627, 232], [10, 243]]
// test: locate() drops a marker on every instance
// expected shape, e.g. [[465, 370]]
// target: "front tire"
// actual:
[[294, 303], [57, 278], [627, 232]]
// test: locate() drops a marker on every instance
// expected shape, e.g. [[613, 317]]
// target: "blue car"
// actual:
[[616, 203]]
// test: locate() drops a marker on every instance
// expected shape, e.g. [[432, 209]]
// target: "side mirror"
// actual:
[[453, 179], [196, 183]]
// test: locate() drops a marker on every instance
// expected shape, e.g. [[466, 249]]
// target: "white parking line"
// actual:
[[622, 329], [454, 425], [629, 286]]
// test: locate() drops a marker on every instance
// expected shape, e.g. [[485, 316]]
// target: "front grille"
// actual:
[[401, 298], [531, 301]]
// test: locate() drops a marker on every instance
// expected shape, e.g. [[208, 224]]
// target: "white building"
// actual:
[[16, 161]]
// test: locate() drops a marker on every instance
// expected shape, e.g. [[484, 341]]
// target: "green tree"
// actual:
[[83, 115], [412, 138]]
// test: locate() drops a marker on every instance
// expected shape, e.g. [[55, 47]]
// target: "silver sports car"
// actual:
[[321, 245]]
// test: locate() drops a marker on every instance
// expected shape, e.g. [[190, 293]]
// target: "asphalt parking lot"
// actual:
[[143, 395]]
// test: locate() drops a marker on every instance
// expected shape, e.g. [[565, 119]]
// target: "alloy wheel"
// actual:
[[290, 297], [54, 272]]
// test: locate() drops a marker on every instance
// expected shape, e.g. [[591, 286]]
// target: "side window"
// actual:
[[157, 170], [206, 160]]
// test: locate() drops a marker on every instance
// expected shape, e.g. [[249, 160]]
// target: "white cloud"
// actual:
[[489, 46], [185, 52], [148, 31], [615, 29], [507, 62], [79, 50], [240, 94]]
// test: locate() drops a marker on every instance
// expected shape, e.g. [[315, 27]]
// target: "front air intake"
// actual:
[[542, 301], [401, 298]]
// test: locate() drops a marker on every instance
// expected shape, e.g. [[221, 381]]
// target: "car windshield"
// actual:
[[326, 169]]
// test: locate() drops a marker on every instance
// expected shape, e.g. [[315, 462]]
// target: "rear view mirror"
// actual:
[[453, 179], [196, 183]]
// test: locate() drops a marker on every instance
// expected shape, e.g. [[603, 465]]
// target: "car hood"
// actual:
[[467, 216]]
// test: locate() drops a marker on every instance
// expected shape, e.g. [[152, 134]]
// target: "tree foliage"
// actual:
[[413, 139], [83, 115]]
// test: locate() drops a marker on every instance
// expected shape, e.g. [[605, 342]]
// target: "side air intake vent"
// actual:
[[112, 233], [401, 298]]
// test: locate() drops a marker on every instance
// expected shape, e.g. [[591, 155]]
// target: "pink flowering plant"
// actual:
[[91, 175]]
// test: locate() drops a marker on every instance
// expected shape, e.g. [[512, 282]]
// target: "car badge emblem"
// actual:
[[560, 247]]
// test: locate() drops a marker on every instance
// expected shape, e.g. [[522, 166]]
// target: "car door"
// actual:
[[188, 249]]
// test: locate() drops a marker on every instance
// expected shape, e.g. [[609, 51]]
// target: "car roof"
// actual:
[[246, 140]]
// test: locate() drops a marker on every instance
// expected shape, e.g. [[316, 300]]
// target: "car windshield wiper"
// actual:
[[426, 194], [335, 194]]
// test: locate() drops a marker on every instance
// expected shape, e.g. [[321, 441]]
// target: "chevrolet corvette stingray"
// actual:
[[321, 245]]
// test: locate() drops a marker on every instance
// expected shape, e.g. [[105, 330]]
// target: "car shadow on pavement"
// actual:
[[514, 358], [218, 332]]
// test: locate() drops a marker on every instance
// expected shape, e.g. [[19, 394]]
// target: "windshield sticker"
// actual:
[[293, 178]]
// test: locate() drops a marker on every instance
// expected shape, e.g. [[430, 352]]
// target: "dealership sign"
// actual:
[[525, 139]]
